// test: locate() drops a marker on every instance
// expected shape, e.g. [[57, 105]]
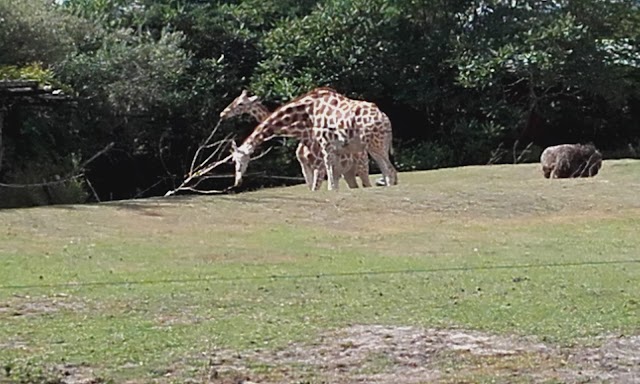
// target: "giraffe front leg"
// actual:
[[317, 178], [305, 166], [308, 174]]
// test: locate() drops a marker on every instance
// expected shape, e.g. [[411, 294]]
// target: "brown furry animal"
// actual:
[[570, 160]]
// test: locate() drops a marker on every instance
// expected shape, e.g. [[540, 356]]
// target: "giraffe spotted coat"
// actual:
[[337, 123], [309, 154]]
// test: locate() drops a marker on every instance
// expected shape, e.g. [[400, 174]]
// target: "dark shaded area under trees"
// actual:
[[463, 81]]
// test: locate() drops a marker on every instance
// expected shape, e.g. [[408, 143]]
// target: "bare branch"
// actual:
[[207, 192], [202, 146], [95, 194], [219, 146], [496, 154], [199, 171], [98, 154], [524, 152], [264, 153]]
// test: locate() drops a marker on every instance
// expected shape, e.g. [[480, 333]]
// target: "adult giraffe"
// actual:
[[337, 123], [309, 154]]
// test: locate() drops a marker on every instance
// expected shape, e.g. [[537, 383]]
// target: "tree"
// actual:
[[546, 67], [36, 31]]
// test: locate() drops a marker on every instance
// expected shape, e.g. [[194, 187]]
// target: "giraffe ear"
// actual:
[[253, 98], [244, 92], [234, 147]]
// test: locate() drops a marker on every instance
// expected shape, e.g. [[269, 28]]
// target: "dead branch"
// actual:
[[523, 153], [264, 153], [198, 169], [95, 194], [219, 145], [496, 154], [207, 192], [203, 146]]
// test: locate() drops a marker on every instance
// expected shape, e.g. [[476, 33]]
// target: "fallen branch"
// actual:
[[197, 171]]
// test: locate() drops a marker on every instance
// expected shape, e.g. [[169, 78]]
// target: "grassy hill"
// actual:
[[474, 274]]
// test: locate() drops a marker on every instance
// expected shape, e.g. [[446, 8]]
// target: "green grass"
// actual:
[[137, 287]]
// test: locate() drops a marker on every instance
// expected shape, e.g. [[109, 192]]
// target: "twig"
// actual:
[[198, 168], [100, 153], [200, 172], [220, 144], [264, 153], [195, 157], [208, 192], [525, 151], [149, 188], [95, 194], [496, 154]]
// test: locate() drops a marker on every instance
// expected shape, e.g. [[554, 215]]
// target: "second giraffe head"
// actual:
[[240, 105]]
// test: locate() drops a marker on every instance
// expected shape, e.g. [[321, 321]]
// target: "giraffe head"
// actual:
[[240, 156], [242, 104]]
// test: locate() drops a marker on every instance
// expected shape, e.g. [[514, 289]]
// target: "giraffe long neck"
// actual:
[[259, 111], [291, 120]]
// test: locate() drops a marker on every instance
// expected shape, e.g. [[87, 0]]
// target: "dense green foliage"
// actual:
[[459, 78]]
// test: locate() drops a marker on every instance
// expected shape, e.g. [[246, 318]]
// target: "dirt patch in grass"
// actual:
[[39, 305], [398, 355], [617, 360]]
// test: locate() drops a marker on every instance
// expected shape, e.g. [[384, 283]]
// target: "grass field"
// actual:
[[474, 274]]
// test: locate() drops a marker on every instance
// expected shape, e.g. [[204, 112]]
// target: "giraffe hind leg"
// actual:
[[388, 170]]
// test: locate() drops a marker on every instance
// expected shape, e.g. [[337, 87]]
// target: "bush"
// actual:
[[413, 156], [63, 192]]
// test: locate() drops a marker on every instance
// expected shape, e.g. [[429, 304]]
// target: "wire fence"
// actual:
[[274, 278]]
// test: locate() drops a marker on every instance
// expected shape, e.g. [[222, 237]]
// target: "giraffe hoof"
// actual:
[[381, 183]]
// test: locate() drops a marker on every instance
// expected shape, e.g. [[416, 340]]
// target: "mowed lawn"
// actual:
[[173, 289]]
